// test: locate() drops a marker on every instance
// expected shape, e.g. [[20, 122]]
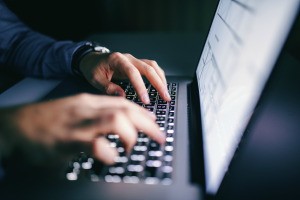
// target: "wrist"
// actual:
[[82, 53]]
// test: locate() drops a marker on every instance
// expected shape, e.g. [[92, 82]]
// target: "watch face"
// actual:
[[101, 49]]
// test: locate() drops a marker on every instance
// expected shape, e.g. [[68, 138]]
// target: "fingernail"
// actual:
[[162, 137], [167, 95], [152, 115], [145, 98]]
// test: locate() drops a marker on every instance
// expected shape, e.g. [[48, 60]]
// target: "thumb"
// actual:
[[114, 89]]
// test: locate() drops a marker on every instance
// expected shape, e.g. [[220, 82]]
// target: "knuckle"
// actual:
[[83, 97], [108, 87], [128, 55], [152, 62], [122, 101], [132, 70], [149, 69], [116, 55], [115, 117]]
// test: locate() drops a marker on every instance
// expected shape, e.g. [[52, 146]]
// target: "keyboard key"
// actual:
[[152, 94], [168, 148], [112, 178], [168, 158], [166, 175], [153, 163], [169, 139], [151, 180], [161, 124], [130, 93], [131, 179], [167, 169], [135, 157], [170, 131], [171, 120], [160, 112], [155, 153], [171, 114], [143, 139], [154, 146], [140, 148], [161, 118], [161, 102], [161, 107], [116, 170], [150, 171], [135, 168], [122, 159]]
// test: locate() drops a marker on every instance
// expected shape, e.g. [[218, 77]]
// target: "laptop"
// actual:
[[209, 114]]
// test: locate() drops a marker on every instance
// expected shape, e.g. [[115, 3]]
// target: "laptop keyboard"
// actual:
[[148, 162]]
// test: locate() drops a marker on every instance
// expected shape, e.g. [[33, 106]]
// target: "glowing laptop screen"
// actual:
[[243, 44]]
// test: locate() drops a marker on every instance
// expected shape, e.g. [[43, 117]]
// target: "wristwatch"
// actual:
[[84, 50]]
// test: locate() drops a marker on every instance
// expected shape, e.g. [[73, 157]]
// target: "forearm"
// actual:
[[29, 53], [40, 56]]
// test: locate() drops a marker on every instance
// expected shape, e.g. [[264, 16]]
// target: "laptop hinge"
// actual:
[[195, 134]]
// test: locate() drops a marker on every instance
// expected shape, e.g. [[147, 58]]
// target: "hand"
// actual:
[[99, 69], [83, 118]]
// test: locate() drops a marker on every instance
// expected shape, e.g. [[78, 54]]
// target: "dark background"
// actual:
[[75, 19]]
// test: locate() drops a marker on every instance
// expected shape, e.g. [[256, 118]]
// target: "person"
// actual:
[[83, 118]]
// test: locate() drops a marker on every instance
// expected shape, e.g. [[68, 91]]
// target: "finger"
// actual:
[[158, 70], [89, 106], [139, 110], [104, 84], [114, 89], [126, 122], [143, 123], [88, 132], [103, 151], [152, 76], [90, 123], [138, 83], [123, 65], [90, 103], [124, 127], [104, 121]]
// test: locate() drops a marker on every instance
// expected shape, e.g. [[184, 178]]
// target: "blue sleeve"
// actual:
[[30, 53]]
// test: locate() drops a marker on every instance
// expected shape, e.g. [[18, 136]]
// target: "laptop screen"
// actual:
[[243, 44]]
